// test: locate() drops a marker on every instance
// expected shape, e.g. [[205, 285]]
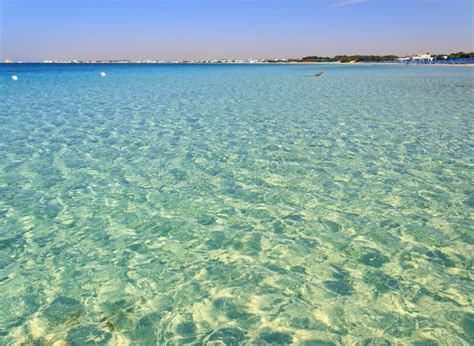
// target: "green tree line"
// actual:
[[358, 58]]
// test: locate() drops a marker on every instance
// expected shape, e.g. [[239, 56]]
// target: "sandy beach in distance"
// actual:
[[401, 64], [374, 64], [377, 63]]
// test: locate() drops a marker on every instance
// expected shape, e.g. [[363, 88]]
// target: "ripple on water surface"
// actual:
[[236, 205]]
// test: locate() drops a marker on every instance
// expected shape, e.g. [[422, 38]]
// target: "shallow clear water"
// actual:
[[236, 205]]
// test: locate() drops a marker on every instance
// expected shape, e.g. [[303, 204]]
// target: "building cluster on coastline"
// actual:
[[419, 57], [148, 61], [454, 58]]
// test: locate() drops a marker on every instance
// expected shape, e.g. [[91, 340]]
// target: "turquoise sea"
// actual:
[[236, 205]]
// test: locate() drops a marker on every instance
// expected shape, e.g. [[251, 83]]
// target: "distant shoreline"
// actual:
[[404, 64], [458, 58], [383, 63], [243, 63]]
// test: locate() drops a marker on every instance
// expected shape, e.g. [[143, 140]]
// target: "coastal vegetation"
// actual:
[[349, 58], [458, 55], [378, 58]]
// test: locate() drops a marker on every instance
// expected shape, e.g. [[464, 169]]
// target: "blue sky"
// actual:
[[33, 30]]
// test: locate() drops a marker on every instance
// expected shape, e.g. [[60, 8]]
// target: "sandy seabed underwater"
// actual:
[[236, 204]]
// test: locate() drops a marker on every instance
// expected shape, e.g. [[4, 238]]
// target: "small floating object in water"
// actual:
[[103, 74], [15, 77], [319, 74]]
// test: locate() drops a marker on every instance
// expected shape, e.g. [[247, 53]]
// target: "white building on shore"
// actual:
[[426, 56], [414, 58]]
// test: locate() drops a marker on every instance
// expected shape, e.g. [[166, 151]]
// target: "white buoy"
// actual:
[[15, 77], [103, 74]]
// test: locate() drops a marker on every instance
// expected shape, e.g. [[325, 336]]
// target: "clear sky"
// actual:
[[33, 30]]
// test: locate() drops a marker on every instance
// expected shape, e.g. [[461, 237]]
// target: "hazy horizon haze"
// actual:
[[36, 30]]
